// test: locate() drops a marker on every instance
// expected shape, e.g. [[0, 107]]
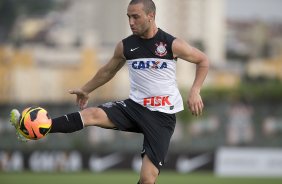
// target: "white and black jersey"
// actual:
[[152, 72]]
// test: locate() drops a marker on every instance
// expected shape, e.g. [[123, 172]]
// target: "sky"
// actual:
[[250, 9]]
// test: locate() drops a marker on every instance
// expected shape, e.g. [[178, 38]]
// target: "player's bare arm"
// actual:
[[104, 74], [183, 50]]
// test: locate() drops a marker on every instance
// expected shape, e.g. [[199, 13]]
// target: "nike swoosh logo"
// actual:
[[103, 163], [134, 49], [186, 165]]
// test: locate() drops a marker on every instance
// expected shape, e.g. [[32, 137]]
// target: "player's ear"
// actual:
[[151, 16]]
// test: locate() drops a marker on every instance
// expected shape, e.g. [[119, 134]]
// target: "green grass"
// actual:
[[125, 177]]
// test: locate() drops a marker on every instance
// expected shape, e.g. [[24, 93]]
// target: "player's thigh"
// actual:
[[94, 116], [149, 172]]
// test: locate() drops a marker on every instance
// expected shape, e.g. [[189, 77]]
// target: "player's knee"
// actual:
[[148, 178], [91, 116], [94, 116]]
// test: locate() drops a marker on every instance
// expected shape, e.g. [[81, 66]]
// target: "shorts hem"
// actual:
[[151, 158]]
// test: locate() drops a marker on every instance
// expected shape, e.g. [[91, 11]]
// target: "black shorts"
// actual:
[[157, 127]]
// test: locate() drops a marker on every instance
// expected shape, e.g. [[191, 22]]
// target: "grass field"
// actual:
[[125, 177]]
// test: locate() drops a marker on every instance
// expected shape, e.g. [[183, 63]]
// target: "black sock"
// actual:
[[67, 124]]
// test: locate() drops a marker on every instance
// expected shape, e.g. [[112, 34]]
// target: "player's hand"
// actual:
[[81, 97], [195, 103]]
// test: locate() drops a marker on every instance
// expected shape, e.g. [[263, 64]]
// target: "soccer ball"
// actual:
[[35, 123]]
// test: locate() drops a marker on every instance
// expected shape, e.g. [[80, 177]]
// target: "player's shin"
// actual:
[[67, 124]]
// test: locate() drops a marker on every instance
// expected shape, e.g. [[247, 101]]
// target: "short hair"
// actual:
[[149, 5]]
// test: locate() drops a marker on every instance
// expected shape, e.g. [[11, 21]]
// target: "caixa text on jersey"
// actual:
[[139, 65]]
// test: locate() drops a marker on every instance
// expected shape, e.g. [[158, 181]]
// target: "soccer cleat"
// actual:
[[15, 121]]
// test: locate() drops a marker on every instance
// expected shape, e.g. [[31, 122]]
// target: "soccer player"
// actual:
[[154, 99]]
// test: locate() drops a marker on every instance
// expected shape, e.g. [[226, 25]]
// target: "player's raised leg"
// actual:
[[68, 123]]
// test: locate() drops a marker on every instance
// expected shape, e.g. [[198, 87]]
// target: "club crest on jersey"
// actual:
[[161, 49]]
